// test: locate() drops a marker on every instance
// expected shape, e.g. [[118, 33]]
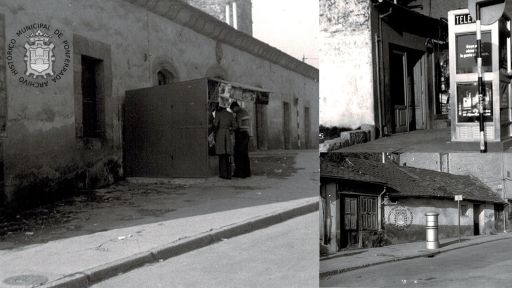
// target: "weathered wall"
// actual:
[[448, 226], [3, 103], [42, 148], [330, 221], [346, 80], [493, 169], [217, 8], [430, 161], [488, 168]]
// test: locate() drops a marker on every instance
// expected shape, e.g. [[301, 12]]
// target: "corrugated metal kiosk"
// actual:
[[166, 128], [496, 64]]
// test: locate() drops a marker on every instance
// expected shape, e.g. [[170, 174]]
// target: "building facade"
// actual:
[[63, 130], [367, 203], [382, 64], [237, 14]]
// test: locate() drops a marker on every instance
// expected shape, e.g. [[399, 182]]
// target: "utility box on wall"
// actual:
[[463, 79]]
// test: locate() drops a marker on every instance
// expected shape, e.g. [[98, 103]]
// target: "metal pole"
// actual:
[[480, 84], [458, 208]]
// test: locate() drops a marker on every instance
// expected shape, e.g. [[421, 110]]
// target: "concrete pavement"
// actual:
[[206, 211], [361, 258], [432, 140]]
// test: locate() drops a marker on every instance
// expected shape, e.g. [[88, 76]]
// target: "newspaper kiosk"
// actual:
[[496, 67]]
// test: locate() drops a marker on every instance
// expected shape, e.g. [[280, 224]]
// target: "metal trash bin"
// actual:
[[431, 230]]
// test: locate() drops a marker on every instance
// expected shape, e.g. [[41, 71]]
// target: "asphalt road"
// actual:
[[487, 265], [283, 255]]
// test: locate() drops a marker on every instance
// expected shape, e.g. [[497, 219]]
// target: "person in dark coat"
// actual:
[[224, 125], [242, 136]]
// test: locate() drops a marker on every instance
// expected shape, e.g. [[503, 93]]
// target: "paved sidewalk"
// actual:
[[431, 140], [356, 259], [85, 260], [204, 211]]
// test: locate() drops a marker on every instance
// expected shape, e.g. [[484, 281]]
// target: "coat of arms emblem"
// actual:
[[39, 55]]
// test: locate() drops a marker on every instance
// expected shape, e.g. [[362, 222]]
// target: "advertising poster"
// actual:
[[467, 102]]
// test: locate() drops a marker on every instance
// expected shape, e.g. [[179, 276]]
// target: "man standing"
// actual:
[[224, 123], [242, 135]]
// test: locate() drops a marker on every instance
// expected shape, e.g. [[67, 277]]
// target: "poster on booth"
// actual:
[[467, 100]]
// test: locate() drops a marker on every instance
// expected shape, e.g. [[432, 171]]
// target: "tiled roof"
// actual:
[[409, 181]]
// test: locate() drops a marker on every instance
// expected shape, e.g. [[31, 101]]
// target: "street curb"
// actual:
[[330, 273], [100, 273]]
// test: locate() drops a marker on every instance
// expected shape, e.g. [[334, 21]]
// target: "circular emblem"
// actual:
[[38, 55], [401, 217]]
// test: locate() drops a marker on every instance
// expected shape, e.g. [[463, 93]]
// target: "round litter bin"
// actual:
[[431, 230]]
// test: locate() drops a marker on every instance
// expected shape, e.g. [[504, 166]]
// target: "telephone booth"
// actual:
[[463, 80]]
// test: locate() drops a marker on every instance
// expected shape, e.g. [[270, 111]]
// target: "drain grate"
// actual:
[[24, 280]]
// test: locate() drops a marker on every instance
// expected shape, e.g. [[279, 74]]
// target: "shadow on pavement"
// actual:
[[441, 245], [277, 176]]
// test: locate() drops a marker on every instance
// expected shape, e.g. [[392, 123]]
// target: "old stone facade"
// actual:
[[53, 146], [229, 11]]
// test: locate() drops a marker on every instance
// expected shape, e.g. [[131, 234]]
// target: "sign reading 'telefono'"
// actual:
[[463, 19]]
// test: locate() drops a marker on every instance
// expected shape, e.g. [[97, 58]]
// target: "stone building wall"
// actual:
[[217, 8], [44, 152]]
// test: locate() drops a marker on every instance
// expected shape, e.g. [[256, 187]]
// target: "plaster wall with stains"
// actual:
[[447, 219], [492, 169], [346, 80], [41, 147]]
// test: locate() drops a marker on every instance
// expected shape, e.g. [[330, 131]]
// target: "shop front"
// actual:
[[166, 129], [496, 63]]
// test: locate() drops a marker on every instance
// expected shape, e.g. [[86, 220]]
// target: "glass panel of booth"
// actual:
[[466, 52], [467, 101]]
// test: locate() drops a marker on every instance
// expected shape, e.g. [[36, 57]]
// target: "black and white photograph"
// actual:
[[415, 143], [166, 143], [255, 143]]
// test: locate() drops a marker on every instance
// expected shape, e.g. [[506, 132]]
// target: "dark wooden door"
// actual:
[[261, 126], [286, 125], [476, 219], [307, 128], [499, 217], [350, 225], [399, 91]]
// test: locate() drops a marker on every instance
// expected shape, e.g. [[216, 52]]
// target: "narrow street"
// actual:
[[487, 265], [283, 255]]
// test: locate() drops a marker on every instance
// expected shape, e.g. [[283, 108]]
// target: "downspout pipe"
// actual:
[[379, 204]]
